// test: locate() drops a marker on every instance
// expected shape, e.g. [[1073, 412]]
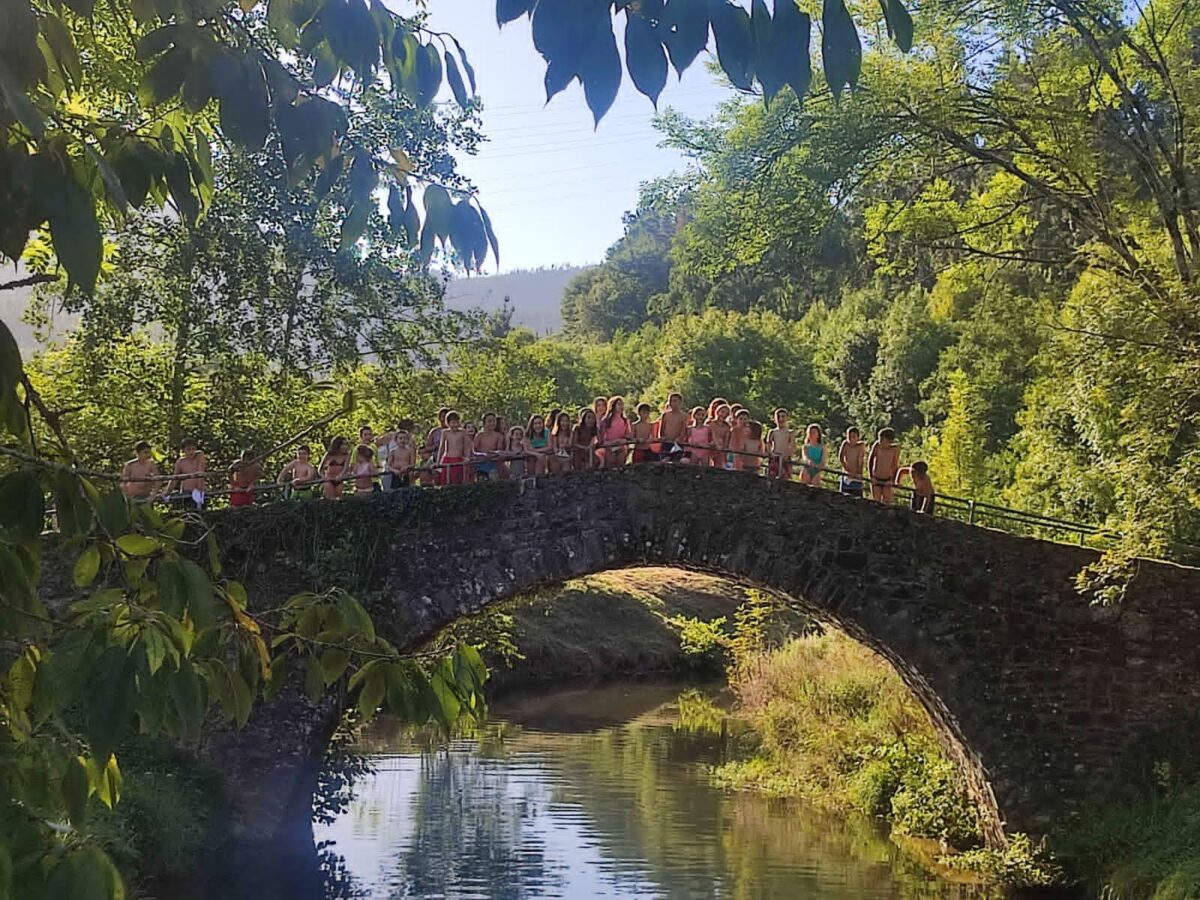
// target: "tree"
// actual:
[[289, 67], [267, 272]]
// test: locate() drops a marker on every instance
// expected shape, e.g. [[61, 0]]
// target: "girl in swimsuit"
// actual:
[[700, 437], [583, 439], [364, 471], [718, 421], [538, 438], [753, 444], [560, 441], [518, 448], [813, 454], [614, 432], [333, 466], [600, 409]]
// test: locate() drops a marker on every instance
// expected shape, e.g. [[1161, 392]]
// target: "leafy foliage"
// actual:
[[136, 126]]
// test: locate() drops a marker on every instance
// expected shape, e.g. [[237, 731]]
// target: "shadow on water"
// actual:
[[597, 792]]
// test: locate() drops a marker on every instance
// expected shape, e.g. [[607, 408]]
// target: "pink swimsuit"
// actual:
[[702, 435]]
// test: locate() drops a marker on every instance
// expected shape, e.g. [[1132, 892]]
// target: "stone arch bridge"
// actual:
[[1043, 699]]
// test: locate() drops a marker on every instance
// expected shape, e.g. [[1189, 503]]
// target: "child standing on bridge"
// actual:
[[453, 451], [922, 489], [882, 463], [781, 447], [642, 433]]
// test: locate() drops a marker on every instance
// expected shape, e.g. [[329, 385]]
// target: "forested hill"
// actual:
[[536, 295]]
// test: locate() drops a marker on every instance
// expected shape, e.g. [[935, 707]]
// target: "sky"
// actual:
[[555, 186]]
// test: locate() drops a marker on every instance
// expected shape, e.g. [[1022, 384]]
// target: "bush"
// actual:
[[837, 726]]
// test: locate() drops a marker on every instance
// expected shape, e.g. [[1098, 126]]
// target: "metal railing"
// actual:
[[949, 506]]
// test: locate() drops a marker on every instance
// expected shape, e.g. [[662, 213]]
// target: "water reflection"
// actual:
[[609, 802]]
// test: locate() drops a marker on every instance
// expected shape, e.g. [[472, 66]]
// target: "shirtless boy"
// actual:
[[642, 433], [454, 450], [852, 456], [188, 475], [672, 427], [141, 466], [489, 441], [299, 472], [432, 447], [401, 459], [781, 447], [922, 492], [882, 463], [243, 475]]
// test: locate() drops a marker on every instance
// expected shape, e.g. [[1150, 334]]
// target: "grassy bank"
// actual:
[[164, 822], [612, 625], [1148, 850], [837, 726]]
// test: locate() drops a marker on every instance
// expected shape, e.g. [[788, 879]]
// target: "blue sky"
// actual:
[[554, 186]]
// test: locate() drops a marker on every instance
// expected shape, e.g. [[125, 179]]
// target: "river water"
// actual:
[[598, 793]]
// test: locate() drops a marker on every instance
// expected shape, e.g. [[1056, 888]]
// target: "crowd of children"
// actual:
[[721, 435]]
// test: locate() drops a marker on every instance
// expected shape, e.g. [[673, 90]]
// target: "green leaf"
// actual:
[[429, 74], [187, 694], [841, 50], [333, 664], [172, 588], [22, 508], [63, 46], [87, 566], [454, 77], [245, 113], [155, 42], [735, 42], [354, 224], [73, 510], [113, 512], [243, 699], [314, 680], [509, 10], [10, 361], [138, 545], [75, 790], [645, 56], [165, 78], [466, 64], [283, 26], [109, 699], [685, 27], [791, 36], [491, 234], [471, 661], [19, 103], [448, 705], [899, 24], [74, 229], [201, 603], [370, 698], [600, 71]]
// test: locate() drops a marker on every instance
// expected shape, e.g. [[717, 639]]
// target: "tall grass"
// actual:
[[838, 727]]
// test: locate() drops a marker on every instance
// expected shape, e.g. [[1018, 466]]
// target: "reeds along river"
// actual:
[[599, 792]]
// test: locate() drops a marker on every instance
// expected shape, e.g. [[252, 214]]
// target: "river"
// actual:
[[598, 793]]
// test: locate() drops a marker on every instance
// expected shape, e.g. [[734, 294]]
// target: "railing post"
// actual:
[[970, 512]]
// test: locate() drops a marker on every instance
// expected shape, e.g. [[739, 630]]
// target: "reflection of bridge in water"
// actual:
[[1044, 700]]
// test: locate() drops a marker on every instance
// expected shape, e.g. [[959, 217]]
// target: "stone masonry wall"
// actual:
[[1041, 698]]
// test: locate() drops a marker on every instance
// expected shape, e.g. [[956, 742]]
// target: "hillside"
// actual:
[[536, 295]]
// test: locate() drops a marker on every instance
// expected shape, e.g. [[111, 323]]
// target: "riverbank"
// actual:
[[619, 624], [835, 725]]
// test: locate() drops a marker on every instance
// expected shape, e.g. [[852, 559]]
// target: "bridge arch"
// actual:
[[1040, 697]]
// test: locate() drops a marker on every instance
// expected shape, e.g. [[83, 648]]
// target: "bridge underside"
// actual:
[[1045, 701]]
